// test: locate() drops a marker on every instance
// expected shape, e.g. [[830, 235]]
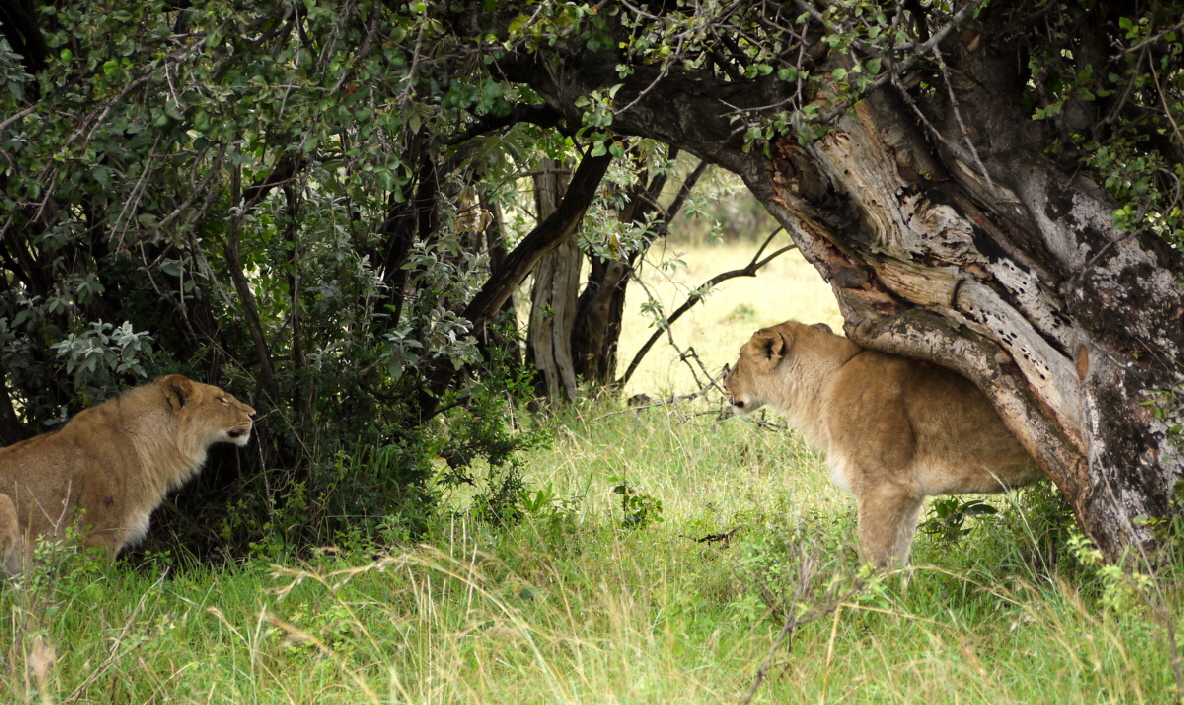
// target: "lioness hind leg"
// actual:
[[887, 521]]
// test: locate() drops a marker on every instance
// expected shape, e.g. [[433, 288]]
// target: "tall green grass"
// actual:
[[570, 606]]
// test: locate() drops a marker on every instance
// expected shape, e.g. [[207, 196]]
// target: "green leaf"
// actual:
[[201, 121], [789, 74]]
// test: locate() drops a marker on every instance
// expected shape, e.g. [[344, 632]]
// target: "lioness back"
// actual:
[[894, 430], [111, 465]]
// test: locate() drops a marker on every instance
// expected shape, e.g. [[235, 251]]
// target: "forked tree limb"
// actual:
[[554, 229], [518, 264], [697, 295]]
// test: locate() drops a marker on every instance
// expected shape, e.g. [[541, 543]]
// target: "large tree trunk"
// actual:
[[1001, 266], [601, 306], [553, 295], [964, 245], [596, 330]]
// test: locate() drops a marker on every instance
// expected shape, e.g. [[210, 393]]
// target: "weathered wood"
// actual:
[[505, 280], [553, 295], [546, 235]]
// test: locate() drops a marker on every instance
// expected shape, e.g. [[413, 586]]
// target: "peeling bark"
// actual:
[[552, 316]]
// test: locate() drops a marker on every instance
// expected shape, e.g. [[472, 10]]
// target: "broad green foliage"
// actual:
[[289, 200], [172, 158], [1107, 77], [1124, 116]]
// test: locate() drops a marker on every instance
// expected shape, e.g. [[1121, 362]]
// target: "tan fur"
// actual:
[[111, 465], [894, 430]]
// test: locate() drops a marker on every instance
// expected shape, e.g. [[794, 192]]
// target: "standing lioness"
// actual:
[[894, 430], [111, 465]]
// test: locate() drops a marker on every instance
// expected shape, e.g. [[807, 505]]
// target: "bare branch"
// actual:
[[250, 311], [697, 295]]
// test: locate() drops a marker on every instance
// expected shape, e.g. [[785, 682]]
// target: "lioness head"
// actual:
[[759, 377], [758, 357], [206, 413]]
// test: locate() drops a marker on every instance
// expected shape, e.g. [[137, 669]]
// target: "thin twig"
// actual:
[[958, 114], [833, 114], [1167, 110], [661, 402], [114, 653], [1150, 40], [807, 572], [712, 383]]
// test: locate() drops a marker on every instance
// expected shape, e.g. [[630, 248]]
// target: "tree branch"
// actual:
[[518, 264], [285, 170], [541, 115], [697, 295], [250, 310], [684, 192], [555, 229]]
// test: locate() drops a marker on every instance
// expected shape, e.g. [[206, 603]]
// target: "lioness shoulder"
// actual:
[[894, 430], [111, 465]]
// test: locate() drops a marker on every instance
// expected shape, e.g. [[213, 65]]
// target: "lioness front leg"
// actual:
[[10, 537], [887, 521]]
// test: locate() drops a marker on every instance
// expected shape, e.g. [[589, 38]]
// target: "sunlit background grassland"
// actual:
[[786, 288], [588, 601]]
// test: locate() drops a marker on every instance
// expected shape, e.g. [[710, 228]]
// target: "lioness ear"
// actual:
[[822, 327], [177, 390], [771, 345]]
